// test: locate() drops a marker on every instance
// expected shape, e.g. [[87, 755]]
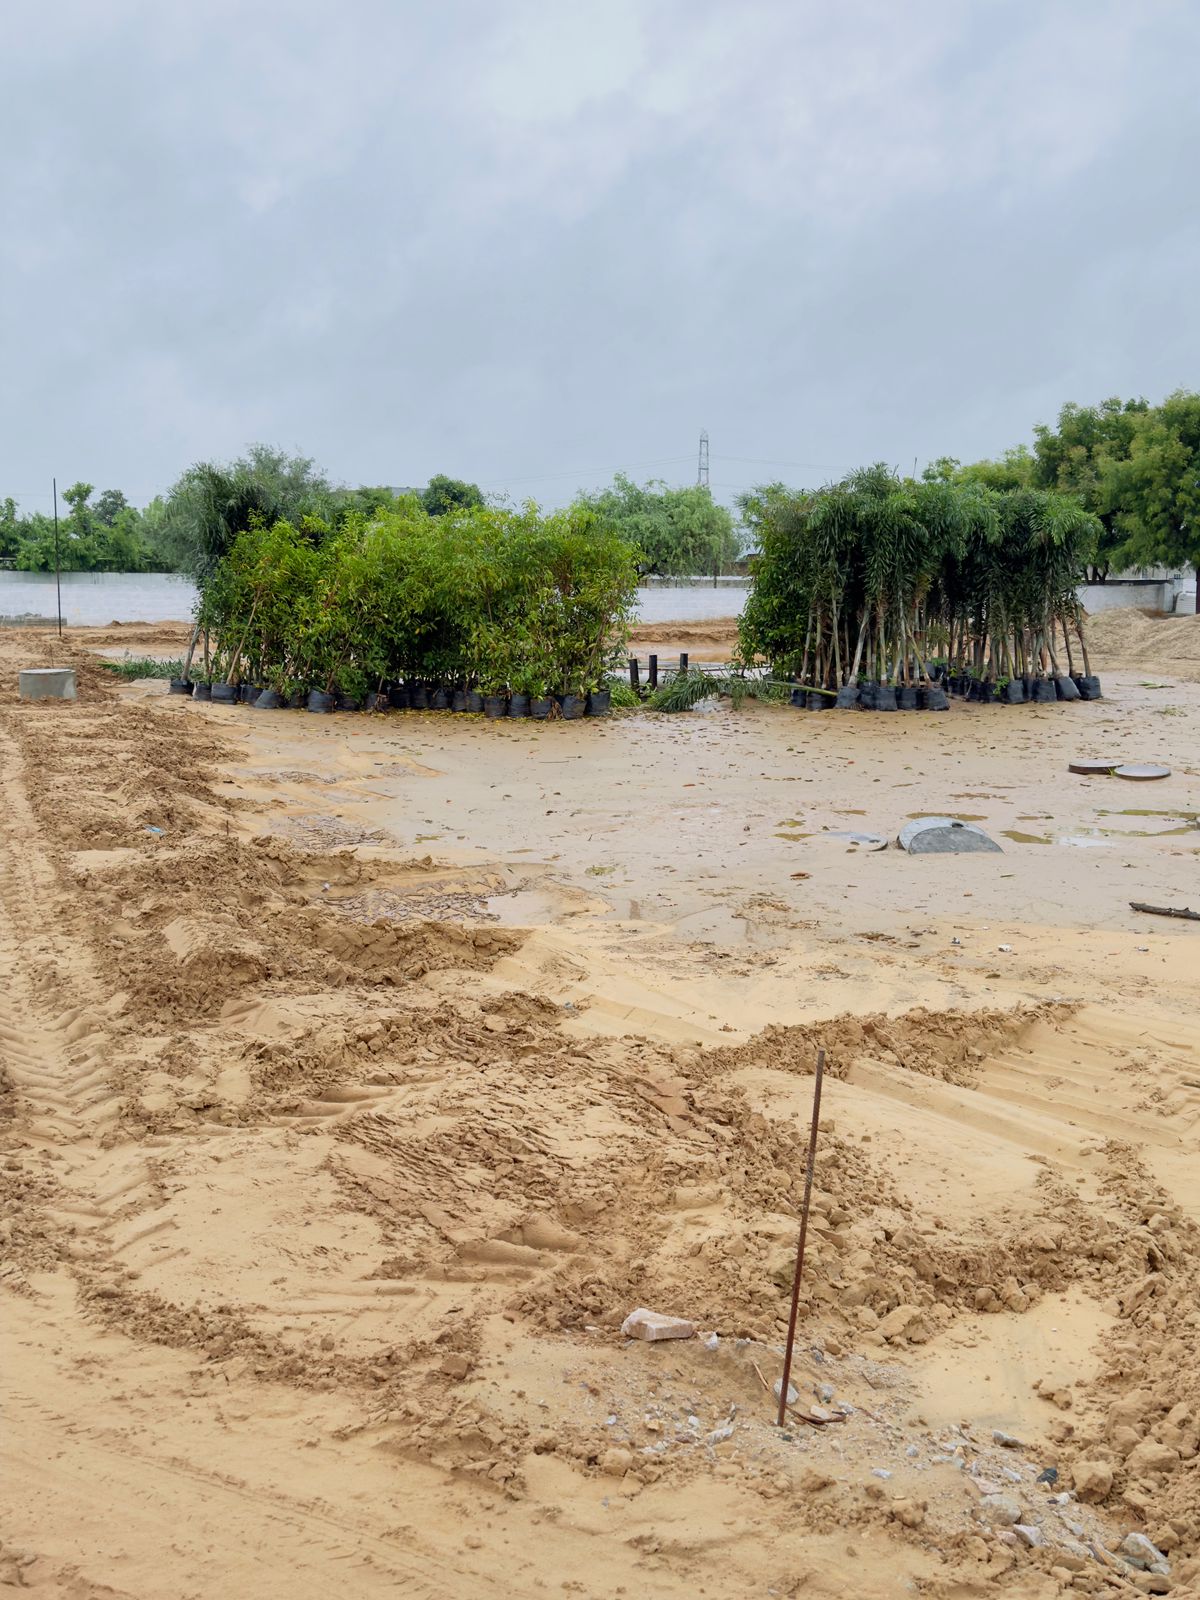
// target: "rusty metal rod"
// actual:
[[818, 1079]]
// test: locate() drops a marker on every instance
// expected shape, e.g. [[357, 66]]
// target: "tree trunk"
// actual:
[[807, 642], [1083, 647], [1050, 644]]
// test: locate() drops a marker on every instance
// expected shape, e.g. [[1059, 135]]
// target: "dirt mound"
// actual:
[[948, 1045], [1125, 637], [705, 630], [294, 1194]]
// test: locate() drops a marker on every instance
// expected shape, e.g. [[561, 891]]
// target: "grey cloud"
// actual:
[[531, 240]]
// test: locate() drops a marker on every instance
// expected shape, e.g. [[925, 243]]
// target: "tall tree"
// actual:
[[1077, 458], [109, 505], [212, 503], [1155, 490], [10, 529]]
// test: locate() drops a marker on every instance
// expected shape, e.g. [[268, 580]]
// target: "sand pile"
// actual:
[[1128, 638], [703, 630]]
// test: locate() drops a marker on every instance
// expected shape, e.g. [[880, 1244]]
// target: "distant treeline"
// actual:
[[676, 531], [105, 533], [1134, 466]]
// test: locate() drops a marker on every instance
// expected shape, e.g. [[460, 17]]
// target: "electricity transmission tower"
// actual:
[[702, 465]]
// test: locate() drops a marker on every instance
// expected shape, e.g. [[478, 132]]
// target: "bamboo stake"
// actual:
[[191, 650], [818, 1079]]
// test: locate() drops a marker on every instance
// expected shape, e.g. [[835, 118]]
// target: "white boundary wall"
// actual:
[[1148, 594]]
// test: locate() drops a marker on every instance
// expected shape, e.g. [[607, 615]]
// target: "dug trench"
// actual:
[[322, 1209]]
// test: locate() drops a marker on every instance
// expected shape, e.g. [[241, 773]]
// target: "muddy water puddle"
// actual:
[[956, 816]]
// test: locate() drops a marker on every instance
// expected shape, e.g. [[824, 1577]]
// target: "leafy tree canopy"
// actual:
[[679, 532], [109, 505], [1154, 491], [212, 503], [443, 494], [1134, 466]]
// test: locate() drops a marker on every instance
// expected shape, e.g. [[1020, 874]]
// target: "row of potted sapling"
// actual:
[[483, 610], [889, 594], [931, 694], [404, 697]]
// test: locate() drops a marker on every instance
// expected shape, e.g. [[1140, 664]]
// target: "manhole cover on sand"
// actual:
[[1093, 769], [945, 836], [1142, 770]]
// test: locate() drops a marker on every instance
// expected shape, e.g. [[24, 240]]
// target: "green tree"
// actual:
[[1078, 457], [212, 503], [10, 529], [678, 532], [1015, 469], [109, 505], [443, 494], [1154, 491], [366, 500]]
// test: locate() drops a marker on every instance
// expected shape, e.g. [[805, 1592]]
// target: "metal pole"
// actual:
[[808, 1183], [57, 571]]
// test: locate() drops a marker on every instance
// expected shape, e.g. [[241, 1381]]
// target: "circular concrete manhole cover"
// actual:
[[945, 836], [1143, 770]]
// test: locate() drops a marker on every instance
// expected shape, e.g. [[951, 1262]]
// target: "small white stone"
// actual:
[[793, 1392], [999, 1510], [1141, 1549], [653, 1325], [880, 1472], [1028, 1534]]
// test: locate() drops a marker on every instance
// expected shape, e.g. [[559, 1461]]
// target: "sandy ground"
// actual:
[[361, 1074]]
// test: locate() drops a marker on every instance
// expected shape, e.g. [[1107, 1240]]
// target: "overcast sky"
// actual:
[[531, 242]]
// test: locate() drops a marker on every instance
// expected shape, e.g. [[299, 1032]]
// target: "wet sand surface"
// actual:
[[361, 1074]]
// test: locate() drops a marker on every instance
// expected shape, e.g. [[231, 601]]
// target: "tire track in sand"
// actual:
[[61, 1063]]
